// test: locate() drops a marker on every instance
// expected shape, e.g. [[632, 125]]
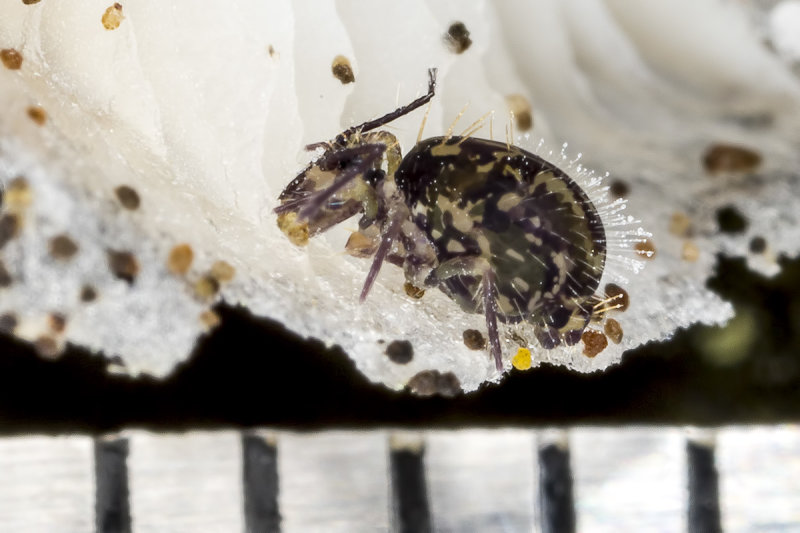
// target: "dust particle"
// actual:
[[9, 228], [47, 348], [721, 157], [617, 296], [430, 382], [342, 70], [645, 249], [594, 342], [731, 220], [8, 322], [457, 38], [413, 291], [206, 287], [690, 252], [123, 265], [474, 339], [88, 293], [128, 197], [112, 17], [521, 108], [5, 275], [619, 189], [58, 322], [18, 194], [613, 330], [680, 224], [222, 271], [180, 259], [37, 114], [758, 245], [400, 352], [210, 319], [359, 245], [62, 247], [11, 59], [30, 2]]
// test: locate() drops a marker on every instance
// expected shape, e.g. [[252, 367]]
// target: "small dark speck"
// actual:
[[88, 293], [123, 265], [30, 2], [128, 197], [342, 70], [758, 245], [619, 189], [400, 352], [9, 225], [47, 348], [62, 247], [430, 382], [457, 38], [8, 322], [731, 220], [5, 276], [474, 339], [57, 322]]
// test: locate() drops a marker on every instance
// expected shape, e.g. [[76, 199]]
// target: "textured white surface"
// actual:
[[205, 113], [46, 484]]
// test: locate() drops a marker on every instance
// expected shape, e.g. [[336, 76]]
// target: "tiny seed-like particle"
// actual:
[[5, 275], [457, 38], [430, 382], [680, 224], [180, 259], [474, 339], [128, 197], [342, 70], [9, 228], [521, 108], [731, 220], [594, 342], [112, 17], [758, 245], [37, 114], [62, 247], [359, 245], [47, 348], [210, 319], [88, 293], [613, 330], [522, 359], [123, 265], [413, 291], [722, 157], [222, 271], [271, 51], [8, 323], [206, 287], [645, 249], [400, 352], [18, 194], [11, 59], [617, 297], [690, 252], [619, 189], [58, 322]]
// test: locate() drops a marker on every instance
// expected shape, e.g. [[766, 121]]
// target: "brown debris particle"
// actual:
[[297, 232], [457, 38], [180, 259], [8, 323], [360, 245], [594, 342], [474, 339], [400, 352], [613, 330], [11, 59], [342, 70], [88, 293], [690, 252], [9, 228], [619, 189], [645, 249], [222, 271], [112, 17], [430, 382], [30, 2], [63, 247], [413, 291], [521, 108], [722, 157], [58, 322], [206, 287], [210, 319], [47, 348], [680, 224], [5, 276], [271, 51], [617, 296], [18, 194], [123, 265], [758, 245], [37, 114], [128, 197]]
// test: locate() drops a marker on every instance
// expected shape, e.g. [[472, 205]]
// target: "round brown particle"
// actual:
[[88, 293], [430, 382], [11, 59], [613, 330], [206, 287], [413, 291], [617, 296], [128, 197], [9, 228], [62, 247], [210, 319], [222, 271], [180, 259], [58, 322], [521, 108], [758, 245], [123, 265], [474, 339], [47, 348], [723, 157], [680, 224], [8, 323], [112, 17], [594, 342], [690, 252], [645, 249], [400, 352], [619, 189], [457, 38], [37, 114], [18, 194], [342, 70]]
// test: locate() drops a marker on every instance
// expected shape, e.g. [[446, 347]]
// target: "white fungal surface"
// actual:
[[205, 113]]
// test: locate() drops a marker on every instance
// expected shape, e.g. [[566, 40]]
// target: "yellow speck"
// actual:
[[522, 361], [112, 17]]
